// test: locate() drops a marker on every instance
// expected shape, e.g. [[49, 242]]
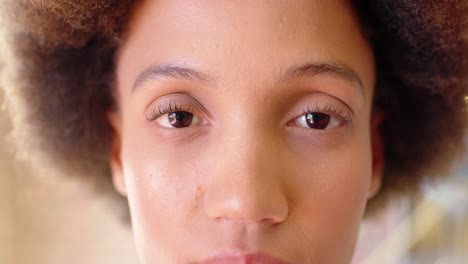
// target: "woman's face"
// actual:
[[244, 130]]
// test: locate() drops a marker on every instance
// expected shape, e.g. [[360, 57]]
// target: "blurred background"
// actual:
[[44, 220]]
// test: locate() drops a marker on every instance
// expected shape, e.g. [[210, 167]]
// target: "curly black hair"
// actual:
[[58, 75]]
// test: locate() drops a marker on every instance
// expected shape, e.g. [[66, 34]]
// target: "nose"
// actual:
[[246, 184]]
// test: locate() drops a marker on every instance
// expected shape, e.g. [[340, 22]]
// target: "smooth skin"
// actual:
[[245, 127]]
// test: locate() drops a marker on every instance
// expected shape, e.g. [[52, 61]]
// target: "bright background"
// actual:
[[44, 220]]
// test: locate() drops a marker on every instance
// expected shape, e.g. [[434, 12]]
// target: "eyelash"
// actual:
[[329, 109], [166, 109]]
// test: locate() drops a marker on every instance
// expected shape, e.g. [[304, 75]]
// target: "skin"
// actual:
[[248, 175]]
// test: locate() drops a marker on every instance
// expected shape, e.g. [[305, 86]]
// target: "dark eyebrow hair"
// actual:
[[175, 71], [169, 71], [337, 70]]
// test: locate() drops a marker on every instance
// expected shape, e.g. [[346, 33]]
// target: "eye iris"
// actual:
[[318, 120], [180, 119]]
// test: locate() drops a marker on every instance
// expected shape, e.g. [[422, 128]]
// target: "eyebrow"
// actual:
[[336, 70], [174, 71], [170, 71]]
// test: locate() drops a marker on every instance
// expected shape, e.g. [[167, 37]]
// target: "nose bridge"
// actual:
[[246, 185]]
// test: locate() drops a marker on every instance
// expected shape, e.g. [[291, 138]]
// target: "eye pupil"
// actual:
[[318, 120], [180, 119]]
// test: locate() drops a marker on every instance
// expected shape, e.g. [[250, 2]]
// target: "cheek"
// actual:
[[332, 199], [163, 193]]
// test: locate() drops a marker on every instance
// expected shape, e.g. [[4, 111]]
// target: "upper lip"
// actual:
[[251, 258]]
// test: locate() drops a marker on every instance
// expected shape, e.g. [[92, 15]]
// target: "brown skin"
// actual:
[[247, 174], [58, 75]]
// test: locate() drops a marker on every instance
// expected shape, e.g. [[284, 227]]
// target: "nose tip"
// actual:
[[247, 202], [238, 211]]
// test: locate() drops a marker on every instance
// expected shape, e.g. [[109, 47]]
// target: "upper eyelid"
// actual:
[[330, 109], [161, 109], [334, 100], [347, 108], [174, 106], [322, 102], [180, 98]]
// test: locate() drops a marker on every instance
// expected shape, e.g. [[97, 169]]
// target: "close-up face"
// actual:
[[244, 130]]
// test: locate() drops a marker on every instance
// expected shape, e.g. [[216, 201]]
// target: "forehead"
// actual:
[[232, 38]]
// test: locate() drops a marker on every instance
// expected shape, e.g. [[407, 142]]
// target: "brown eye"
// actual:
[[317, 120], [178, 119]]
